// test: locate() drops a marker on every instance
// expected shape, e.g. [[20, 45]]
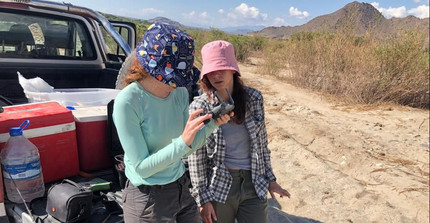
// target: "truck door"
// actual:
[[115, 54], [127, 31]]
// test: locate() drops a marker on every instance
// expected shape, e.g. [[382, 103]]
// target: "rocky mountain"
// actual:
[[356, 17]]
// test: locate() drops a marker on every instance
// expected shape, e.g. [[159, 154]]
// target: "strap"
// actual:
[[74, 184], [79, 215], [40, 220]]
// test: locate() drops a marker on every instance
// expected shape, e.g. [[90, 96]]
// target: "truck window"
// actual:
[[112, 46], [29, 36]]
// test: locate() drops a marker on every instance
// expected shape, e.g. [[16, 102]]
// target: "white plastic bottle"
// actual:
[[21, 168]]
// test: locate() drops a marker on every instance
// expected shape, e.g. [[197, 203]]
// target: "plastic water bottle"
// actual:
[[21, 168]]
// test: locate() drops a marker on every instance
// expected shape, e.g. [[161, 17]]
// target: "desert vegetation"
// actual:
[[359, 70], [364, 69]]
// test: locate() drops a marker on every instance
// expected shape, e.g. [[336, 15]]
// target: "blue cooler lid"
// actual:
[[15, 131]]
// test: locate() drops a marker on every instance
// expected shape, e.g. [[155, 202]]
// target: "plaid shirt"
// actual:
[[210, 178]]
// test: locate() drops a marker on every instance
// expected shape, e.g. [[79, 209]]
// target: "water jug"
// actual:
[[21, 168]]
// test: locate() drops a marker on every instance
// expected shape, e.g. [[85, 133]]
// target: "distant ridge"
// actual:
[[171, 22], [355, 16], [242, 30]]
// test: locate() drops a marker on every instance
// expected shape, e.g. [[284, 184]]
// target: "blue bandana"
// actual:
[[167, 53]]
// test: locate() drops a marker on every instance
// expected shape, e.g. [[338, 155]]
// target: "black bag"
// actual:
[[115, 147], [69, 202]]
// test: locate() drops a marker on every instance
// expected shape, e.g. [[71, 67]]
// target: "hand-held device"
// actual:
[[222, 108]]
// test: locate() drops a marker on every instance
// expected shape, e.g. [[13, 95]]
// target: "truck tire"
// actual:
[[125, 69]]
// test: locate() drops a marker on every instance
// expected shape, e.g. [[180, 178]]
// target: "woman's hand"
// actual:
[[274, 187], [207, 212], [193, 126], [224, 118]]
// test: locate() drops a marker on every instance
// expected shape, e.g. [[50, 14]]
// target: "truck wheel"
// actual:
[[125, 69]]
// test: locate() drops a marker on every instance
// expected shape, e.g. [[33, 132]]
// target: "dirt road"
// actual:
[[345, 163]]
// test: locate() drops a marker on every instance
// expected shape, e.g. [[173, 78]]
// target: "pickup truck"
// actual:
[[66, 45]]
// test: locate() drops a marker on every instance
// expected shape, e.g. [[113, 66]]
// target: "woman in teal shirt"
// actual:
[[156, 130]]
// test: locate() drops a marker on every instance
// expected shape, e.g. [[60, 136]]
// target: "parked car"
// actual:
[[68, 46]]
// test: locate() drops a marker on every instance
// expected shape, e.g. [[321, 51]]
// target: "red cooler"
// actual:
[[52, 130], [91, 130]]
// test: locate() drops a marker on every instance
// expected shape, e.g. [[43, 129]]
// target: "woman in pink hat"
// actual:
[[232, 173]]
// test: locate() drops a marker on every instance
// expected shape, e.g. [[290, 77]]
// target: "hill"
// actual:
[[356, 17]]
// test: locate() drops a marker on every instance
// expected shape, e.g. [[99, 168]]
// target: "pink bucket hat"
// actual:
[[218, 55]]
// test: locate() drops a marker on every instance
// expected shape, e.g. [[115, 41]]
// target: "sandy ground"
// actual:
[[344, 163]]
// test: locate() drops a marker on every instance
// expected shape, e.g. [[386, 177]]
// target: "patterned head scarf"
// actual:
[[167, 53]]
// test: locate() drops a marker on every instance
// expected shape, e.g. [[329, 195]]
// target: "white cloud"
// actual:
[[202, 18], [243, 15], [418, 1], [395, 12], [299, 14], [192, 13], [189, 15], [247, 12], [390, 12], [420, 11], [278, 22], [203, 15], [138, 13], [151, 11], [232, 16]]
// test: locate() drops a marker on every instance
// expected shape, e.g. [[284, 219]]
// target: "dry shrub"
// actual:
[[362, 69], [274, 60], [244, 46], [403, 70]]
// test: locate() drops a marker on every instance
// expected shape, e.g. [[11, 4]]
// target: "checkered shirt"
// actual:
[[210, 178]]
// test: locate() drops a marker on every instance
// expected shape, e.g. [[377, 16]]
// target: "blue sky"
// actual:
[[233, 13]]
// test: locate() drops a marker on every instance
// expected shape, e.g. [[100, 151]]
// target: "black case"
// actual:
[[69, 202], [115, 147]]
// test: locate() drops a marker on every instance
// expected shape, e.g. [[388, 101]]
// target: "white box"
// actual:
[[75, 96]]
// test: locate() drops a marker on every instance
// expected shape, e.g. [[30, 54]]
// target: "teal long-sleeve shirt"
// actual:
[[150, 129]]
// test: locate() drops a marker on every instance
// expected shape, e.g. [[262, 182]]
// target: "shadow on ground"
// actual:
[[276, 215]]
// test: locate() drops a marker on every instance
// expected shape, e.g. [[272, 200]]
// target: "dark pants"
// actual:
[[242, 202], [160, 203]]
